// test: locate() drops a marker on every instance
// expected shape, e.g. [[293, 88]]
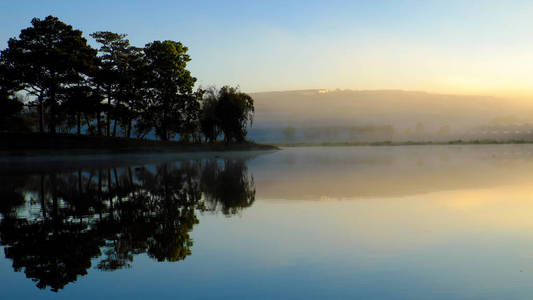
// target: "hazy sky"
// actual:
[[483, 47]]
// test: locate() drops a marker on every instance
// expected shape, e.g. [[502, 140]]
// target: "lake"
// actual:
[[405, 222]]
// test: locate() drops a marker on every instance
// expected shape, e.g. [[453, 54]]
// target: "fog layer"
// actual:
[[346, 115]]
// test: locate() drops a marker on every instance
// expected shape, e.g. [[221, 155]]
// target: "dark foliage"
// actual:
[[118, 89], [226, 111]]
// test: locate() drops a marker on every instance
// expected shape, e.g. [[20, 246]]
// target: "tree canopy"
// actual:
[[170, 89], [118, 89], [45, 58], [226, 111]]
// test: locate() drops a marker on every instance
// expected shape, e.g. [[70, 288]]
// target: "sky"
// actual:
[[461, 47]]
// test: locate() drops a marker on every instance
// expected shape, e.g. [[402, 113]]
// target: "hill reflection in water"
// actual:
[[313, 173]]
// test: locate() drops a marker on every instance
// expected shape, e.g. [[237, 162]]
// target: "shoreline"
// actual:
[[404, 143], [36, 144]]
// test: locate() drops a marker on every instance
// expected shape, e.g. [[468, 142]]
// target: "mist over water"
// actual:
[[374, 172], [417, 222]]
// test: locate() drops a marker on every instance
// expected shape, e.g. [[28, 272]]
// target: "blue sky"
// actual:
[[445, 46]]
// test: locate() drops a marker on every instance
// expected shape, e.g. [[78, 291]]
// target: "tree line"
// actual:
[[52, 80]]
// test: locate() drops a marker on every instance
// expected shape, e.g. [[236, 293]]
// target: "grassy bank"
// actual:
[[405, 143], [38, 143]]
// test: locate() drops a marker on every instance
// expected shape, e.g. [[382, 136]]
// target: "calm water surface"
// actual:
[[416, 222]]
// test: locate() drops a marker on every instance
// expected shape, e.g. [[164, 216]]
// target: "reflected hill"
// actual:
[[54, 226], [370, 172]]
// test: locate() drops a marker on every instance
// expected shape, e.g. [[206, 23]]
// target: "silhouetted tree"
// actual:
[[234, 110], [226, 111], [80, 102], [44, 58], [123, 88], [116, 77], [208, 118], [172, 105], [131, 89]]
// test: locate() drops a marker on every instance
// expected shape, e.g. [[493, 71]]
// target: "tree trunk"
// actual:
[[128, 131], [79, 123], [108, 124], [115, 127], [52, 114], [99, 124], [51, 124], [89, 126], [41, 113], [164, 134], [80, 188]]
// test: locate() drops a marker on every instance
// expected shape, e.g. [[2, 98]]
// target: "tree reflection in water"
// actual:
[[54, 225]]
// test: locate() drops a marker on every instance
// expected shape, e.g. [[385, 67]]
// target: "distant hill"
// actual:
[[371, 115]]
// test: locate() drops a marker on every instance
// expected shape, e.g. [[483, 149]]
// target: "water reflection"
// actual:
[[54, 225], [376, 172]]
